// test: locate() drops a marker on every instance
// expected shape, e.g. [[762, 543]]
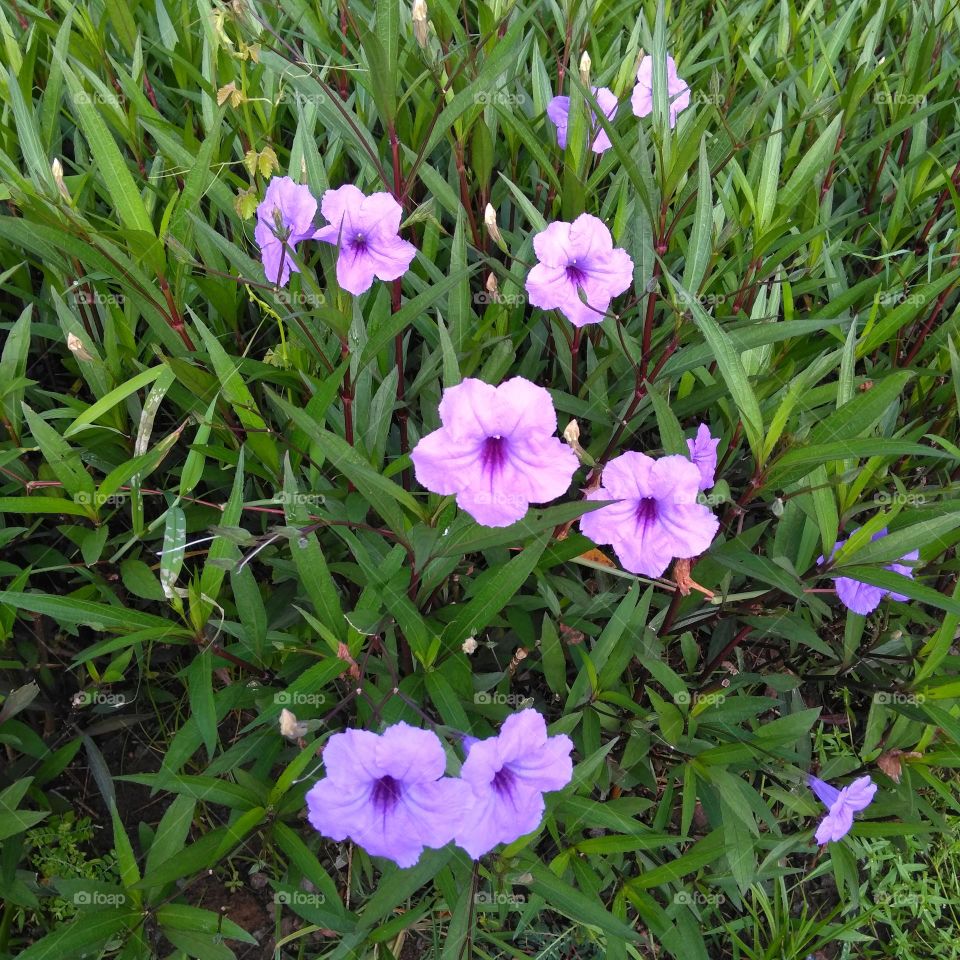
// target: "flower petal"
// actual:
[[335, 204], [355, 271], [410, 754], [859, 794], [443, 463], [862, 598], [558, 110], [552, 244], [826, 794]]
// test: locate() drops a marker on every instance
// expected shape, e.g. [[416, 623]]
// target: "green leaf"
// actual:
[[495, 588], [576, 905], [384, 495], [108, 160], [734, 376]]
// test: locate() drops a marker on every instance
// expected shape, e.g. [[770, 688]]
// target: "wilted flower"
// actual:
[[284, 218], [678, 93], [497, 450], [291, 727], [864, 598], [418, 14], [366, 231], [577, 258], [841, 806], [656, 516], [508, 775], [388, 793], [703, 452], [558, 110]]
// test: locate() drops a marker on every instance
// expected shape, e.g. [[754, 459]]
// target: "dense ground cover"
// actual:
[[229, 523]]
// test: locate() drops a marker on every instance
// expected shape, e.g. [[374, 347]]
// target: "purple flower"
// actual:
[[496, 450], [656, 516], [558, 110], [388, 793], [509, 775], [864, 598], [366, 231], [678, 93], [841, 806], [703, 452], [577, 258], [284, 218]]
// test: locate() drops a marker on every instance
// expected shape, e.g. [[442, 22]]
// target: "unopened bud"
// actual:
[[490, 219], [421, 30], [493, 288], [585, 68], [57, 169], [76, 347], [571, 434]]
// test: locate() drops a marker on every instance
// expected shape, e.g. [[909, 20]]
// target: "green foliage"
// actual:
[[208, 514]]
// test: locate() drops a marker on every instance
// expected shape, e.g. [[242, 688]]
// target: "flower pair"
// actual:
[[388, 793], [364, 229], [678, 95], [497, 452]]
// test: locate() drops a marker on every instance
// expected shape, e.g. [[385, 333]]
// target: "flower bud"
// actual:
[[571, 434], [57, 169], [490, 219], [76, 347], [585, 68], [421, 31]]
